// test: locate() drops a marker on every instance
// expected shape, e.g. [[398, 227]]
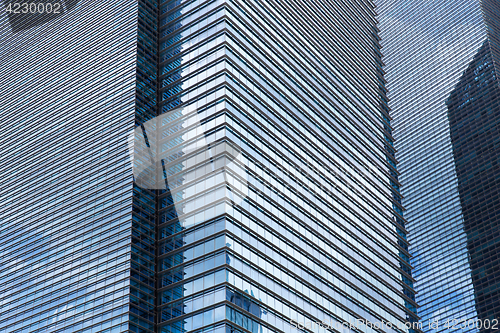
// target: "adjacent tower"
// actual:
[[474, 115], [77, 237], [240, 153], [441, 60]]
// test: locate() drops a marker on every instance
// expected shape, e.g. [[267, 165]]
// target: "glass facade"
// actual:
[[215, 166], [276, 169], [438, 61], [68, 229]]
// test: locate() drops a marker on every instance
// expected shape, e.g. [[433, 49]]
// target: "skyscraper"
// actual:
[[258, 136], [72, 242], [440, 60], [474, 115]]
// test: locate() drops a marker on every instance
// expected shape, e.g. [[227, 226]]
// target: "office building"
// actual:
[[70, 242], [266, 196], [474, 115], [439, 62]]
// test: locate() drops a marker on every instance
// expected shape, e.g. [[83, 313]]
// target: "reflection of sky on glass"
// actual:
[[59, 245], [427, 45]]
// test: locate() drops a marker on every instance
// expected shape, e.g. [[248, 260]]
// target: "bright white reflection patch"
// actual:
[[185, 146]]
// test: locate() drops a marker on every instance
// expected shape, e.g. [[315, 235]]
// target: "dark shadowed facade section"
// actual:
[[474, 115]]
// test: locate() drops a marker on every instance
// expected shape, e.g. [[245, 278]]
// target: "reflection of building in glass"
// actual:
[[474, 115], [427, 46]]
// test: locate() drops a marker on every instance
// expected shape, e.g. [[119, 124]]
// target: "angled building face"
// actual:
[[440, 62], [281, 197], [72, 239], [185, 166]]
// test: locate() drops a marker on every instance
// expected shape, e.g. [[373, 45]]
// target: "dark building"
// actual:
[[474, 115]]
